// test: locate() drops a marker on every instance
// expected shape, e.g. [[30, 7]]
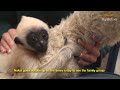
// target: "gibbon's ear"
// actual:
[[21, 23]]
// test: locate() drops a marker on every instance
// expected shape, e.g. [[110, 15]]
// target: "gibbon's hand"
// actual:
[[7, 41], [93, 52]]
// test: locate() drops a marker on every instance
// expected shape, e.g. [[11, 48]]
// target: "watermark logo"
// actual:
[[109, 16]]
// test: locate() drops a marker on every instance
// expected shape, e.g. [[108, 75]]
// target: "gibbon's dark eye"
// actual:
[[34, 39], [44, 36]]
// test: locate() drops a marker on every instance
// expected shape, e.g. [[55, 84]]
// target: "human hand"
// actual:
[[93, 51], [7, 41]]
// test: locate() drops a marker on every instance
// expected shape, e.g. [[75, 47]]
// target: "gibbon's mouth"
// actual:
[[18, 41], [41, 49]]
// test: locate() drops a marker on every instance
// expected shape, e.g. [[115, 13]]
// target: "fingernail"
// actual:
[[79, 41], [9, 51], [81, 54]]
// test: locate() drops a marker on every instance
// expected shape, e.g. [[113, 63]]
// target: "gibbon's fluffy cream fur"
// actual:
[[62, 46]]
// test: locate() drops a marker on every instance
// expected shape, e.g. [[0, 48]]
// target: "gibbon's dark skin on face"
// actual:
[[37, 39]]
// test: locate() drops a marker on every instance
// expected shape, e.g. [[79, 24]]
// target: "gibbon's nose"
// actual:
[[18, 41], [42, 42], [39, 45]]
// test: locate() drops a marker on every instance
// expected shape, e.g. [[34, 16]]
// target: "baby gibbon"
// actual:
[[31, 43]]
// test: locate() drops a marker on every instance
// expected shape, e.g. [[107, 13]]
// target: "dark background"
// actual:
[[50, 17], [10, 19]]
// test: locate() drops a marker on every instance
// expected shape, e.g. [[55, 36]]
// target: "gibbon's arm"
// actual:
[[8, 76], [58, 62], [5, 76]]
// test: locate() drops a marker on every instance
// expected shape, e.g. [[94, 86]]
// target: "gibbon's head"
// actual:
[[32, 34]]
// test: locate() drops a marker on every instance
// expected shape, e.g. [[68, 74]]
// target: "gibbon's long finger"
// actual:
[[4, 44]]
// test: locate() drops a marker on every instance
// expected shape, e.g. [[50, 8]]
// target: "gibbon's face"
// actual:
[[32, 34], [36, 39]]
